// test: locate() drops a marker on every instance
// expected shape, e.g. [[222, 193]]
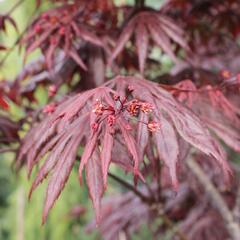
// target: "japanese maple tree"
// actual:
[[172, 132]]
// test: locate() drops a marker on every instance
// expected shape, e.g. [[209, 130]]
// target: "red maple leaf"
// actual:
[[112, 115], [152, 24], [59, 29]]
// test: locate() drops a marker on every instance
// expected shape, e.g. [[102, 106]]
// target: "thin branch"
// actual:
[[3, 60], [15, 6], [129, 187], [156, 207], [216, 199], [169, 223], [3, 150], [139, 3], [142, 3], [174, 227]]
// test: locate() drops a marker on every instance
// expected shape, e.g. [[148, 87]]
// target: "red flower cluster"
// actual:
[[132, 108]]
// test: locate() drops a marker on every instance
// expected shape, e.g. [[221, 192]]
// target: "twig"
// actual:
[[3, 60], [139, 3], [15, 6], [157, 207], [170, 224], [3, 150], [129, 187], [173, 226], [216, 199]]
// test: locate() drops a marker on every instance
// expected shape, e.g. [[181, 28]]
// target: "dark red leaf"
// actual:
[[94, 180], [60, 175], [88, 151], [106, 154], [167, 147]]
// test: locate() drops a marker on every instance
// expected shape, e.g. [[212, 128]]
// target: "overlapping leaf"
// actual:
[[152, 24], [105, 118], [219, 114], [59, 29]]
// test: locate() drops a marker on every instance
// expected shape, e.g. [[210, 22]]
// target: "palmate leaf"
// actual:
[[167, 147], [152, 24], [56, 31], [219, 113], [60, 175], [108, 122], [228, 134], [188, 125]]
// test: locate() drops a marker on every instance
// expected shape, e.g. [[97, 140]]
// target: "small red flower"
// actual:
[[98, 110], [133, 107], [146, 107], [153, 126]]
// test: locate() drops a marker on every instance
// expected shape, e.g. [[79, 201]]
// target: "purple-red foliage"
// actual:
[[114, 111], [147, 127], [60, 29], [144, 25]]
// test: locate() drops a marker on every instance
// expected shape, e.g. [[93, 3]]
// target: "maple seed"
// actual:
[[153, 126]]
